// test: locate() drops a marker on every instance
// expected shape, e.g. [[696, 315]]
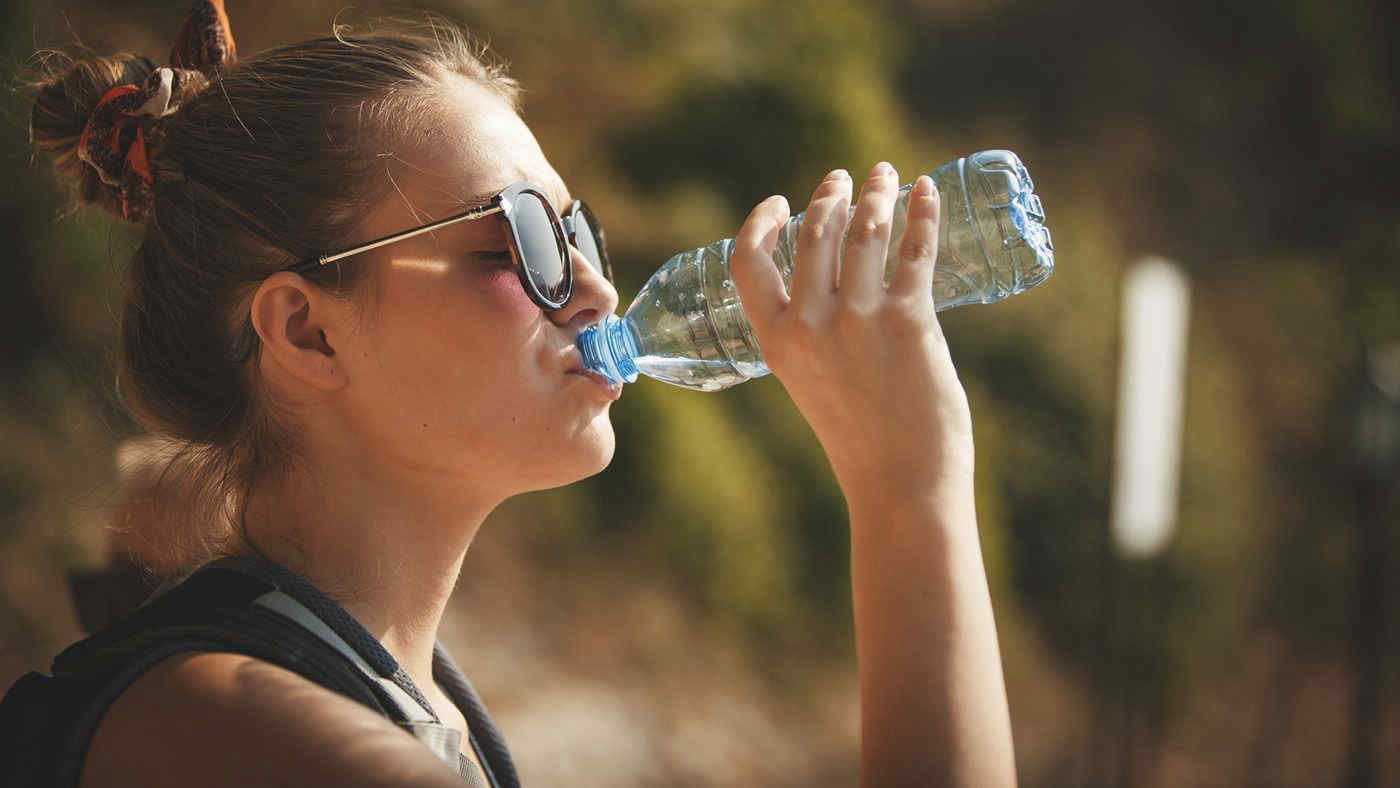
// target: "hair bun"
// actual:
[[120, 131], [98, 120], [63, 106]]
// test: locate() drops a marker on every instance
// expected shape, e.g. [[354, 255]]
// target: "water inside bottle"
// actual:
[[702, 375]]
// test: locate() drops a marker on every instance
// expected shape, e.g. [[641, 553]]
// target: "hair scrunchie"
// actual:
[[114, 140]]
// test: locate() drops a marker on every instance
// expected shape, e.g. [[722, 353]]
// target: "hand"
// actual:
[[866, 364]]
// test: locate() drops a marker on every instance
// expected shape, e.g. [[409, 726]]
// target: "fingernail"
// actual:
[[836, 174], [883, 168], [923, 186]]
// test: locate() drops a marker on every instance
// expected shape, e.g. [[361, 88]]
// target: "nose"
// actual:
[[594, 297]]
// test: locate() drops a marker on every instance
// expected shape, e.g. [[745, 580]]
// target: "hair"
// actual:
[[266, 161]]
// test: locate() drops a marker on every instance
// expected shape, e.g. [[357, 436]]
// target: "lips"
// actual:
[[610, 389], [575, 367]]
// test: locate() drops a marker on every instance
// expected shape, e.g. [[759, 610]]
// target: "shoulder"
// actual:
[[228, 719]]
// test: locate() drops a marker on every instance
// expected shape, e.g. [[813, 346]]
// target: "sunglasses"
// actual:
[[537, 236]]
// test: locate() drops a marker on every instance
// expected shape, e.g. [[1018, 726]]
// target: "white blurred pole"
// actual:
[[1147, 461]]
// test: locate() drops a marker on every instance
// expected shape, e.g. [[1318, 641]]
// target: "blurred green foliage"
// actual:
[[1254, 143]]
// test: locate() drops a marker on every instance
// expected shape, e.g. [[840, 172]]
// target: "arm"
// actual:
[[230, 720], [869, 368], [933, 705]]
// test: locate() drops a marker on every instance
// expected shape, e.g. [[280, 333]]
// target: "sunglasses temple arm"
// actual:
[[326, 259]]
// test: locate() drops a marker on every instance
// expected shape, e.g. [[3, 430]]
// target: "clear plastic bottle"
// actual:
[[687, 327]]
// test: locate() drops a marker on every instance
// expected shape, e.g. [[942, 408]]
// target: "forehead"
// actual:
[[481, 146]]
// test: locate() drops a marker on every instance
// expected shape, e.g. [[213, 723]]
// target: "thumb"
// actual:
[[756, 277]]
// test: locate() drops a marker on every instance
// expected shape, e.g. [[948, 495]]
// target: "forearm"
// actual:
[[933, 701]]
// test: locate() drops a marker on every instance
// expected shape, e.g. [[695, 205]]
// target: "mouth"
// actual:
[[575, 367], [614, 389]]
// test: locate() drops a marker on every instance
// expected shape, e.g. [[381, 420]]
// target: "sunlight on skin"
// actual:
[[427, 266]]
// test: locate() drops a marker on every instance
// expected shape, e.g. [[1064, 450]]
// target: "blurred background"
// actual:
[[683, 618]]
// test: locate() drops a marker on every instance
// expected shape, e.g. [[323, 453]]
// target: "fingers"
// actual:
[[868, 238], [825, 274], [819, 241], [756, 278], [918, 251]]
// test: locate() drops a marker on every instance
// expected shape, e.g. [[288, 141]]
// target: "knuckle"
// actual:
[[868, 230], [930, 205], [856, 315], [808, 323], [918, 249], [819, 226], [904, 315], [806, 327]]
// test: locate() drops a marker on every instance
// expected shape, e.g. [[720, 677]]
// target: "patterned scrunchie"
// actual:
[[114, 141]]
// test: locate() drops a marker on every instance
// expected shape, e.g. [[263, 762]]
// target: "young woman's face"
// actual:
[[459, 374]]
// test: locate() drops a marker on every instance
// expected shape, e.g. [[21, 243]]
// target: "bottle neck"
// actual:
[[609, 348]]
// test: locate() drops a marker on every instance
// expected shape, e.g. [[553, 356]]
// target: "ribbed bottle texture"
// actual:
[[687, 326]]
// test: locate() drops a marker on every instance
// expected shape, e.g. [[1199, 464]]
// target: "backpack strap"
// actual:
[[486, 740], [209, 612], [302, 602], [410, 710], [349, 636], [254, 607]]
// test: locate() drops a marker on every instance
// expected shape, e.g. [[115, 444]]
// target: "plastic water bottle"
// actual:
[[687, 327]]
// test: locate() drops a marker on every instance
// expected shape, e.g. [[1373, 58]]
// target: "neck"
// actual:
[[385, 543]]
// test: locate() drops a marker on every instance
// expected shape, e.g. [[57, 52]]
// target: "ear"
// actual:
[[298, 326]]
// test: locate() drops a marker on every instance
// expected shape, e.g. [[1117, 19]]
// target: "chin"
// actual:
[[601, 445], [588, 453]]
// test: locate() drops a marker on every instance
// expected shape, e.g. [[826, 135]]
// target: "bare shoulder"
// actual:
[[228, 719]]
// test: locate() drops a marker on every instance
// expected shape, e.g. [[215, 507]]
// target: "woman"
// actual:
[[352, 421]]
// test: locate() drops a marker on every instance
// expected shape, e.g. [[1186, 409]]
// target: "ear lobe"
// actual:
[[293, 320]]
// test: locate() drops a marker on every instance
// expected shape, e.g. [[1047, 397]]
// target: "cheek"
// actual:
[[502, 286]]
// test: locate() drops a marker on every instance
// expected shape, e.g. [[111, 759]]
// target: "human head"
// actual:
[[266, 161]]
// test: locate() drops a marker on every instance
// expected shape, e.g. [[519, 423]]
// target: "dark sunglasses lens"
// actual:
[[586, 240], [539, 247]]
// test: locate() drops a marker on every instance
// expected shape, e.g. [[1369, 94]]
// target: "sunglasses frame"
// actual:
[[504, 204], [600, 238]]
